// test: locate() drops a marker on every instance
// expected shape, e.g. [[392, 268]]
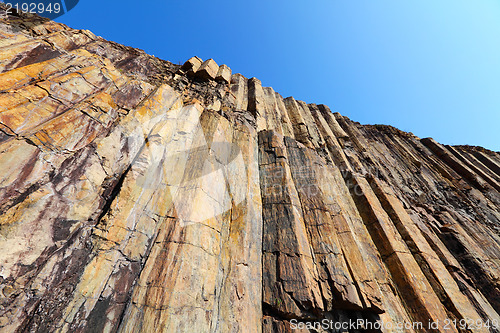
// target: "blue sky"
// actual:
[[431, 67]]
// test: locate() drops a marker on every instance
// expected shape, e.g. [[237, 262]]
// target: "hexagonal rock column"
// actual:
[[224, 74], [208, 70], [192, 65]]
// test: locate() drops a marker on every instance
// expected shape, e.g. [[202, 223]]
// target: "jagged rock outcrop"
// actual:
[[139, 196]]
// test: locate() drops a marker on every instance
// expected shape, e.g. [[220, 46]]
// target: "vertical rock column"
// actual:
[[290, 274], [204, 270]]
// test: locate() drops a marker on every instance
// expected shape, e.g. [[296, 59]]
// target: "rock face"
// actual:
[[141, 196]]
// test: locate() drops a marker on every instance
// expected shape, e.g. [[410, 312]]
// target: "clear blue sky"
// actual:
[[431, 67]]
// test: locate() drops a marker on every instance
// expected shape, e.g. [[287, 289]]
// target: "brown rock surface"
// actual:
[[208, 70], [224, 74], [137, 198], [192, 65]]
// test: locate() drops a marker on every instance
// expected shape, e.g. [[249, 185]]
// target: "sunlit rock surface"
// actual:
[[141, 196]]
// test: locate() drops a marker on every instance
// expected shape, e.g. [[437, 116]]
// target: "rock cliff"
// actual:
[[137, 195]]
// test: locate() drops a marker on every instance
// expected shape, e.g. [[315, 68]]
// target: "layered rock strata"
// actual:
[[138, 196]]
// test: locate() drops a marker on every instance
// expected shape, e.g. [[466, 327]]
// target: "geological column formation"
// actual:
[[138, 196]]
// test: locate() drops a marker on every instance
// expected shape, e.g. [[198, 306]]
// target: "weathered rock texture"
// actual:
[[141, 196]]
